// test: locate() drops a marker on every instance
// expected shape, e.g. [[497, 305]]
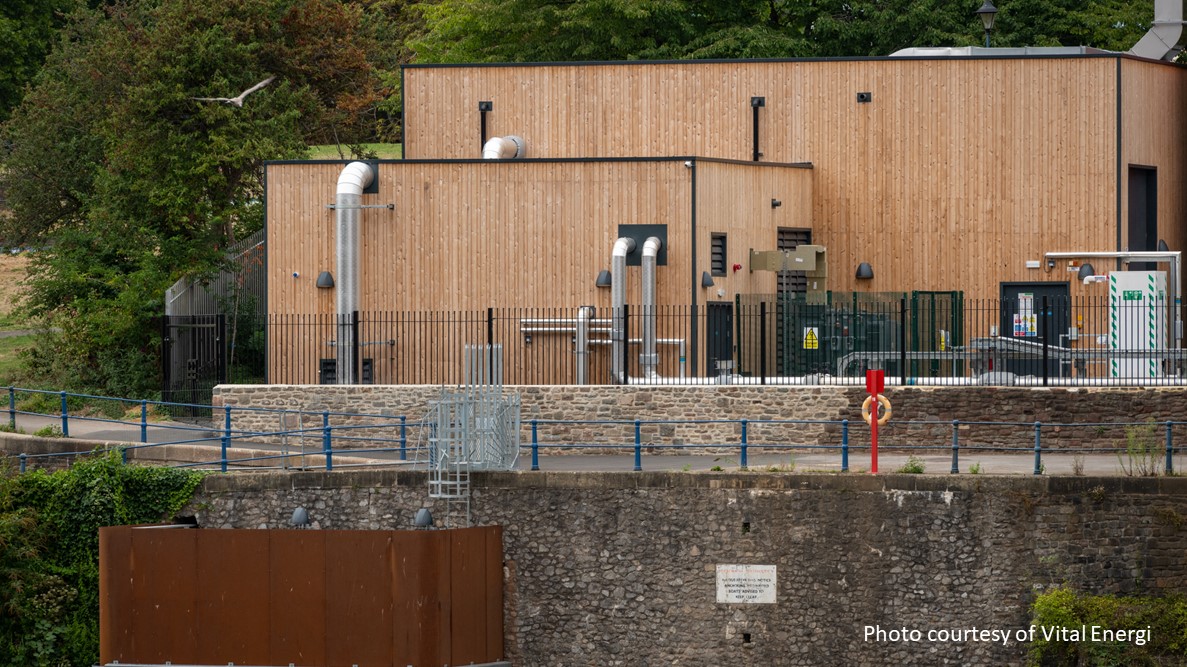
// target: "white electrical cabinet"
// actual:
[[1137, 322]]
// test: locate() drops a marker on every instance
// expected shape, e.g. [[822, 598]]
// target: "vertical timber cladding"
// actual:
[[465, 236], [277, 597], [1153, 135], [956, 164]]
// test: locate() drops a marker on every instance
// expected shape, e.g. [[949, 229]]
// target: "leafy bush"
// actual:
[[1165, 617], [913, 466], [49, 550]]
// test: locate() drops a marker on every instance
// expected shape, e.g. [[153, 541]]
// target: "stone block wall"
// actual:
[[619, 568], [989, 416]]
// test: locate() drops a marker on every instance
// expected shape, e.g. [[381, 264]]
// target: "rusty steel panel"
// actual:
[[420, 589], [115, 595], [164, 564], [359, 606], [467, 582], [324, 598], [493, 560], [233, 598], [298, 585]]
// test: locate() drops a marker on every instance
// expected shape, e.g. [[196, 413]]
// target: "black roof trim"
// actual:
[[678, 158]]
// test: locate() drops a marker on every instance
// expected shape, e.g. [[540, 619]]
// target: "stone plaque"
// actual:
[[746, 584]]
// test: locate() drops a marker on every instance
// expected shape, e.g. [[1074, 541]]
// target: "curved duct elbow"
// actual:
[[355, 178], [1160, 42], [504, 148]]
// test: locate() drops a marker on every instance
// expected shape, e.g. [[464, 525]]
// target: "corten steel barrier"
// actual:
[[937, 338], [308, 597], [328, 440]]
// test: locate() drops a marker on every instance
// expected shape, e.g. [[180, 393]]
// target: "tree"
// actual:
[[125, 182], [544, 30], [26, 32]]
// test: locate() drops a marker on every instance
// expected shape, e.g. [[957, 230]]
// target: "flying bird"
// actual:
[[237, 101]]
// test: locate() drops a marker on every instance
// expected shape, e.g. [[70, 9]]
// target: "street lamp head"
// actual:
[[987, 12]]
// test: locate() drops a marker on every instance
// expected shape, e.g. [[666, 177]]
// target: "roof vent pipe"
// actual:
[[622, 247], [648, 359], [504, 148], [1160, 41], [351, 183]]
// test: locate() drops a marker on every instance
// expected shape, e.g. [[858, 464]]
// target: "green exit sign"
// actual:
[[1131, 295]]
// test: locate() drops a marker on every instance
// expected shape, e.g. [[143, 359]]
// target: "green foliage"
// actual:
[[126, 183], [49, 431], [1143, 455], [545, 30], [1166, 618], [49, 545], [26, 32], [913, 466], [976, 469]]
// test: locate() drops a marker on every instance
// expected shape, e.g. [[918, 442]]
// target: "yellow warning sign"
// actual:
[[811, 338]]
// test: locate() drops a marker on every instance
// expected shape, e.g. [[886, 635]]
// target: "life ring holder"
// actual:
[[884, 411]]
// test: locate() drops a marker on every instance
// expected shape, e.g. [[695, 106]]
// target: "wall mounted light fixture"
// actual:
[[1086, 271], [775, 203], [325, 280], [604, 279], [706, 279], [865, 271]]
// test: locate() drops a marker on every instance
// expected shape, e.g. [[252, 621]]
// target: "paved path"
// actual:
[[989, 463]]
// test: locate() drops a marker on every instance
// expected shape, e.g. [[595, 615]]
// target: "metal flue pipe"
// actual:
[[584, 315], [504, 148], [351, 183], [648, 359], [622, 247]]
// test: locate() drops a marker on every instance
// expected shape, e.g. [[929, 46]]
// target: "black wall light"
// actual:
[[604, 279], [706, 279], [1086, 271], [865, 271], [325, 280]]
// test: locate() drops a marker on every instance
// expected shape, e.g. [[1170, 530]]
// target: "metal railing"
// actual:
[[335, 440], [936, 338]]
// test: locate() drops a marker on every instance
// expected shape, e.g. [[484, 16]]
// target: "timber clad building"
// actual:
[[943, 174]]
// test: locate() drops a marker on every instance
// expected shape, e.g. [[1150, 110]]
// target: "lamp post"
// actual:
[[987, 13]]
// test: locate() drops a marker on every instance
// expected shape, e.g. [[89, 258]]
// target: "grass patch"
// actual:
[[913, 466], [10, 357], [342, 152]]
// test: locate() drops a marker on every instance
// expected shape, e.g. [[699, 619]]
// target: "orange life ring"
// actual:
[[884, 411]]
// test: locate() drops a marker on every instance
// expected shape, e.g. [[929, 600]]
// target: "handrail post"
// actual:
[[65, 417], [226, 439], [327, 440], [23, 458], [1170, 466], [955, 446], [403, 437], [535, 447], [124, 455], [638, 447], [143, 422], [12, 408], [844, 445], [1038, 448], [744, 443]]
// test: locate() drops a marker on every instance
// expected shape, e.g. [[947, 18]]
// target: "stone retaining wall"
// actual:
[[922, 415], [619, 569]]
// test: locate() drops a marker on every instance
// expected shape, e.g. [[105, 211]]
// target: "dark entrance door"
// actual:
[[719, 325], [1143, 214], [1028, 326]]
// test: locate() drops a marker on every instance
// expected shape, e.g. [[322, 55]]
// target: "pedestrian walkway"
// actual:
[[207, 443]]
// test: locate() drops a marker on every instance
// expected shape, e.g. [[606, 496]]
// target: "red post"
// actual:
[[875, 383]]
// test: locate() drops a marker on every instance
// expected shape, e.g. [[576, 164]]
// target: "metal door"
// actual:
[[719, 344], [1026, 327]]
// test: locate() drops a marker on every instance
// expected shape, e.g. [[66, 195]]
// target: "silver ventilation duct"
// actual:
[[504, 148], [622, 247], [1160, 42], [648, 359], [351, 183]]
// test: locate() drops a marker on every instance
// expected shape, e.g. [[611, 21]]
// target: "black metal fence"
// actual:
[[917, 338]]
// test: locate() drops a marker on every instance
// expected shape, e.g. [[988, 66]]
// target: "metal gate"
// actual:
[[193, 360]]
